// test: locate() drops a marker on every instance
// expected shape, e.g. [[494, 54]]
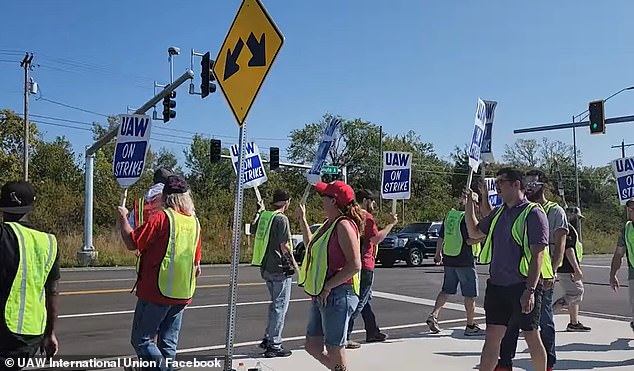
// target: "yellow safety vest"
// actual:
[[519, 232], [578, 245], [312, 274], [176, 274], [629, 242], [452, 242], [262, 235], [25, 309]]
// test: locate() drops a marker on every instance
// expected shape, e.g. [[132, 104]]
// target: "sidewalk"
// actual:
[[609, 346]]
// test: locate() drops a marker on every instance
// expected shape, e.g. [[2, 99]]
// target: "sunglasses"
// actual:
[[534, 184]]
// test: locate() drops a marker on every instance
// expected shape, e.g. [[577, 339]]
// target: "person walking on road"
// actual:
[[625, 247], [330, 273], [570, 274], [536, 184], [370, 241], [515, 244], [457, 253], [29, 276], [272, 252], [169, 244]]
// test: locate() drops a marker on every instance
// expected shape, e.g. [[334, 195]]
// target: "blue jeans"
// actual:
[[330, 319], [547, 333], [280, 290], [365, 295], [156, 319]]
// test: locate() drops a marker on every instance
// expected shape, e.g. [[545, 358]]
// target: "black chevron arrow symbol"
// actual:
[[231, 66], [258, 50]]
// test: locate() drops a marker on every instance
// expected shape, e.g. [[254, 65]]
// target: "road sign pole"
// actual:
[[235, 258]]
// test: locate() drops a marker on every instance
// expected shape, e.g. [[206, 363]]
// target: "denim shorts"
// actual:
[[466, 276], [331, 320]]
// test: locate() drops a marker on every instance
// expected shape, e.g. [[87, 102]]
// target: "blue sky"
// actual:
[[405, 65]]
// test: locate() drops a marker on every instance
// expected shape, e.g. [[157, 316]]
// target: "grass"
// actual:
[[216, 249]]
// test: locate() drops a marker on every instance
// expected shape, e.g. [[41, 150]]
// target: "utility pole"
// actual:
[[622, 146], [26, 64], [380, 166]]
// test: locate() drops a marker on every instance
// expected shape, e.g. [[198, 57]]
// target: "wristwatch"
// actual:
[[530, 289]]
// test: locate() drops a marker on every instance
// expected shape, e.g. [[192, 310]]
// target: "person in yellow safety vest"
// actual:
[[370, 241], [330, 273], [273, 253], [570, 274], [152, 201], [625, 247], [457, 252], [169, 244], [29, 275], [515, 244], [536, 185]]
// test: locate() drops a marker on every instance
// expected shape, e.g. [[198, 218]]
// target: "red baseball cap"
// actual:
[[338, 190]]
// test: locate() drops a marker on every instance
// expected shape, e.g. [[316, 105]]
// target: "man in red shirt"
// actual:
[[369, 245], [169, 246]]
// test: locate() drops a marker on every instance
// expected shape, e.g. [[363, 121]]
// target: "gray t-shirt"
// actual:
[[556, 220], [506, 253], [280, 232]]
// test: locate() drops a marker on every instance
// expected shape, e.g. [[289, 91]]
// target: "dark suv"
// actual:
[[411, 244]]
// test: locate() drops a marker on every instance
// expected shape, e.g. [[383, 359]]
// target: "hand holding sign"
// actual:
[[314, 174], [130, 151]]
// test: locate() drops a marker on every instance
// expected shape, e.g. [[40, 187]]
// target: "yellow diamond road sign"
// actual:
[[246, 56]]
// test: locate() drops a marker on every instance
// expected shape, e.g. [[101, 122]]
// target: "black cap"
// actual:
[[281, 195], [17, 197], [161, 175], [175, 184], [365, 193]]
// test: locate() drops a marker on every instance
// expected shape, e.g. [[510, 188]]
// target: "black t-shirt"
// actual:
[[465, 258], [9, 262], [571, 240]]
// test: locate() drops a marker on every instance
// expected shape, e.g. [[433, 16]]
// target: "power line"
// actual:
[[71, 107]]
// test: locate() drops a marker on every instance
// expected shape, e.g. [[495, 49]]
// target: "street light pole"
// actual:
[[622, 146]]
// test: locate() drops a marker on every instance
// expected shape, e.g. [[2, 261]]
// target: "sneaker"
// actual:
[[274, 352], [376, 338], [432, 322], [475, 330], [264, 344], [578, 327], [352, 345], [632, 325]]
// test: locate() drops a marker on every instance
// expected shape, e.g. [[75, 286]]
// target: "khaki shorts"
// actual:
[[573, 290]]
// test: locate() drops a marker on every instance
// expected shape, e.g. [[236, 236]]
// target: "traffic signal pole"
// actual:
[[87, 255], [622, 146]]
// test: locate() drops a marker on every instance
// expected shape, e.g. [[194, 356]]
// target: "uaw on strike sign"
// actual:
[[624, 174], [254, 173], [132, 145], [397, 175]]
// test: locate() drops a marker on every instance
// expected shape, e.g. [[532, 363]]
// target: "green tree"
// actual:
[[12, 145]]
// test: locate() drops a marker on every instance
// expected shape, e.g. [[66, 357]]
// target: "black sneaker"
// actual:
[[376, 338], [577, 327], [632, 325], [273, 353], [264, 344]]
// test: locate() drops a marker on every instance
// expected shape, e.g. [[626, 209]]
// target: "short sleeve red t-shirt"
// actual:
[[367, 247], [151, 239]]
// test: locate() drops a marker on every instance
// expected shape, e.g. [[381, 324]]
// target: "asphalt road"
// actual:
[[97, 307]]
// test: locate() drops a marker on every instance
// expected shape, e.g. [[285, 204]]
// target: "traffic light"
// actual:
[[597, 117], [274, 158], [207, 76], [214, 150], [168, 105]]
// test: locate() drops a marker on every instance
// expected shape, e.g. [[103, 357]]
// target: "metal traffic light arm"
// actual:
[[87, 253], [613, 120]]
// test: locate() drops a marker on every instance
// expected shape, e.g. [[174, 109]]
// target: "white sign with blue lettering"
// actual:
[[131, 149], [254, 174], [486, 152], [314, 174], [397, 175], [624, 174], [478, 135], [494, 199]]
